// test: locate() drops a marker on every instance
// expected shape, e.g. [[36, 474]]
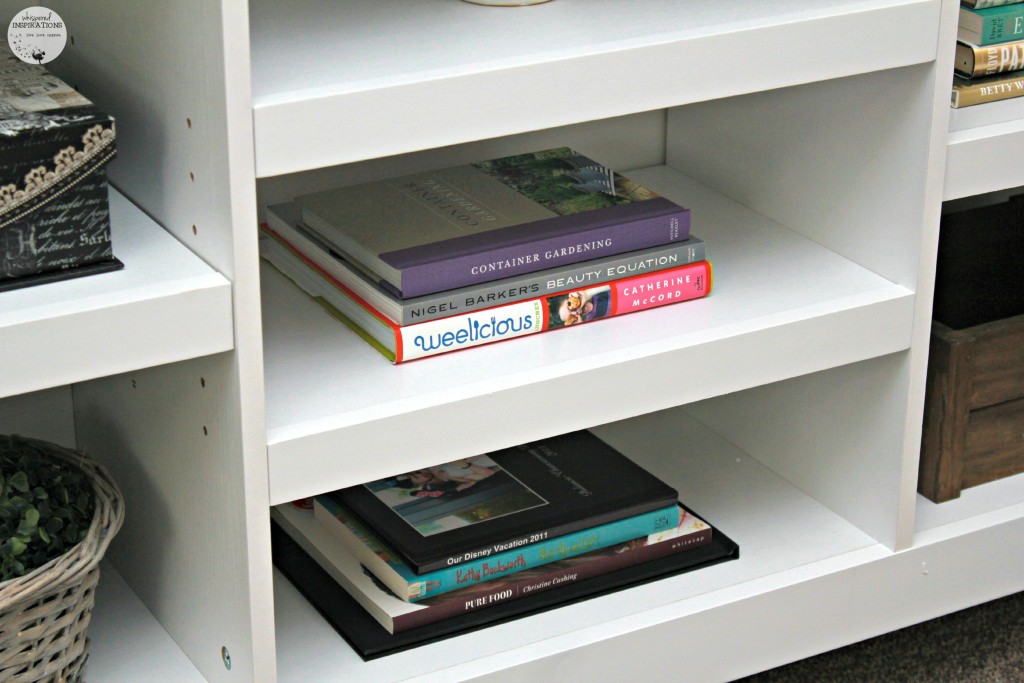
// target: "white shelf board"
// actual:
[[128, 643], [783, 535], [977, 507], [340, 82], [782, 306], [165, 305], [985, 148]]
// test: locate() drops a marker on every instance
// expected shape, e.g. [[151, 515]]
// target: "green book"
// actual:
[[991, 25]]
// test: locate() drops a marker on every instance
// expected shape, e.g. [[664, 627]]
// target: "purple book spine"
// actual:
[[545, 244]]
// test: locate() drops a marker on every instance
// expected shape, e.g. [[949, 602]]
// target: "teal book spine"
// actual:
[[991, 25], [404, 582]]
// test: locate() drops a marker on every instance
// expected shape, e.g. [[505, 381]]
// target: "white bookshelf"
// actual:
[[985, 144], [358, 80], [813, 142], [778, 300], [165, 305]]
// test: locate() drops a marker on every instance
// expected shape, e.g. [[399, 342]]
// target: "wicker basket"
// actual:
[[44, 614]]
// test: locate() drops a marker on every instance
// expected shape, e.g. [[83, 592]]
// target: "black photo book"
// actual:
[[371, 640], [480, 506]]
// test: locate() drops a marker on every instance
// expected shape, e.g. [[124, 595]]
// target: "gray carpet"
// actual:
[[983, 644]]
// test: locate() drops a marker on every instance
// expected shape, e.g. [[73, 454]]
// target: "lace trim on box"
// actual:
[[42, 185]]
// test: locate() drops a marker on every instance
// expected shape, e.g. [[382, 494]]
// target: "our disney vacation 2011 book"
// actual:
[[284, 223], [370, 640], [397, 615], [399, 343], [396, 574], [479, 506], [473, 223]]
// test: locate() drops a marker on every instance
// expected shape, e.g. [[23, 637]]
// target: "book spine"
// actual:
[[993, 25], [555, 575], [626, 295], [977, 62], [460, 269], [588, 273], [411, 587], [966, 94]]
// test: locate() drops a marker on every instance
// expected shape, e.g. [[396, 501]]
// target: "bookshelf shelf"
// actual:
[[763, 315], [985, 145], [815, 144], [446, 73], [720, 482], [121, 625], [165, 305]]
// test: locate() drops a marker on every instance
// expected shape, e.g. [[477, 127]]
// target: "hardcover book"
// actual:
[[991, 25], [973, 61], [486, 504], [370, 640], [397, 615], [54, 148], [406, 584], [969, 92], [284, 224], [479, 222], [572, 307]]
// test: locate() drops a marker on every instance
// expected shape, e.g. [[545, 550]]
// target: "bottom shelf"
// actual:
[[128, 643], [779, 529], [807, 581]]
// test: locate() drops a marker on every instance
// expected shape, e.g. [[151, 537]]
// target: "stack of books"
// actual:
[[989, 52], [480, 539], [445, 260]]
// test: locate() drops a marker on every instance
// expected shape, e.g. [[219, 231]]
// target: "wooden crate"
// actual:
[[974, 403], [974, 407]]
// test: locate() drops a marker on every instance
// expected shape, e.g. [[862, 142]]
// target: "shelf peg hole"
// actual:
[[202, 382], [205, 431], [191, 176], [188, 122], [194, 231]]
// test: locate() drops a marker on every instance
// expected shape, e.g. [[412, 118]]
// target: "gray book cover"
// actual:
[[459, 226]]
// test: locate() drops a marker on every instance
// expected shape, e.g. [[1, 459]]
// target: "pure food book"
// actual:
[[459, 226], [284, 224], [399, 344], [330, 596], [397, 615], [478, 507]]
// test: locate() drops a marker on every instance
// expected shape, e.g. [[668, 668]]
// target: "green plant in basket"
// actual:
[[46, 507]]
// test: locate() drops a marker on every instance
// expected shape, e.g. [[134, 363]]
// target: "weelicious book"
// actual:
[[406, 584], [397, 615], [473, 223], [284, 223], [576, 306], [483, 505]]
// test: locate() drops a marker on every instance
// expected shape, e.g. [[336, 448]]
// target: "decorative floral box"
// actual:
[[54, 207]]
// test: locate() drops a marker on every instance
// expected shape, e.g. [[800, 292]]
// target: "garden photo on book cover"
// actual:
[[454, 495]]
